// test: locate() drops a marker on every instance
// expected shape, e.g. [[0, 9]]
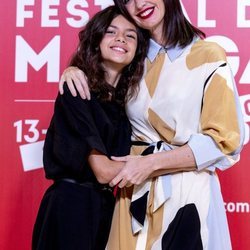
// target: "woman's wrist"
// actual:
[[153, 162]]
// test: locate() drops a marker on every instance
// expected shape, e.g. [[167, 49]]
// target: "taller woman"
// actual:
[[187, 124]]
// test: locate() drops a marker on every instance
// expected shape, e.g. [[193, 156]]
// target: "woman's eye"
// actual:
[[131, 36], [110, 32], [125, 1]]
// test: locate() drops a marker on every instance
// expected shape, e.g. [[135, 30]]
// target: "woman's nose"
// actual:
[[120, 38], [139, 3]]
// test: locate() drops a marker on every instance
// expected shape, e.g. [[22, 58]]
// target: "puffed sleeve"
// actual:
[[71, 136], [222, 125]]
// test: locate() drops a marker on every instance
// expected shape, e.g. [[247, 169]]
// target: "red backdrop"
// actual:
[[37, 40]]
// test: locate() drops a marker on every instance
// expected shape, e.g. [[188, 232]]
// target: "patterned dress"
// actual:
[[187, 96]]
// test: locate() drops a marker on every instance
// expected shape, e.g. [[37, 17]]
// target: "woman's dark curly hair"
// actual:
[[177, 30], [88, 58]]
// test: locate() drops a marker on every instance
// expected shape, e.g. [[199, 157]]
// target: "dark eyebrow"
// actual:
[[115, 27]]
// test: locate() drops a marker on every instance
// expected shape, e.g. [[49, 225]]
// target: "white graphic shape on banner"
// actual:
[[104, 4], [25, 56], [32, 155]]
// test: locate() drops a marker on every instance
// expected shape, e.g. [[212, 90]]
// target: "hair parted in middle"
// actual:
[[88, 57], [177, 30]]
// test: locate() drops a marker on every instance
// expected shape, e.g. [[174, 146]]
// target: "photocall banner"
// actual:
[[37, 40]]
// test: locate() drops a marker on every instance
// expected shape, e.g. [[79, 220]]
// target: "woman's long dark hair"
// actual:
[[177, 30], [88, 57]]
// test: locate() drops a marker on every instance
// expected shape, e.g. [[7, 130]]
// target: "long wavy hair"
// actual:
[[177, 30], [88, 58]]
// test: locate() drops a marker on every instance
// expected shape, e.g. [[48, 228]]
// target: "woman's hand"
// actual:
[[135, 171], [104, 169], [139, 168], [75, 79]]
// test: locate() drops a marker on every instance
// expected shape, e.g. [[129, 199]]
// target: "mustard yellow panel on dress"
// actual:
[[201, 53], [217, 113], [121, 231], [165, 132], [155, 219], [153, 73]]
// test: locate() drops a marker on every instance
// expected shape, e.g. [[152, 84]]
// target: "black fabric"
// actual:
[[140, 143], [183, 232], [73, 216], [77, 127], [138, 208], [148, 150]]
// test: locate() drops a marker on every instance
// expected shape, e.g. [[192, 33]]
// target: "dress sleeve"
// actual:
[[71, 135], [222, 126]]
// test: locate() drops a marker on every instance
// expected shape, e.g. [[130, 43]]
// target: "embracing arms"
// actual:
[[74, 139], [139, 168], [203, 151], [104, 169], [75, 78]]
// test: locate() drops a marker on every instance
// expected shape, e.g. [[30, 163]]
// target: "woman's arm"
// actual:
[[139, 168], [104, 168], [75, 79], [176, 160]]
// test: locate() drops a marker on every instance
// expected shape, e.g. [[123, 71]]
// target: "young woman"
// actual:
[[76, 210], [187, 123]]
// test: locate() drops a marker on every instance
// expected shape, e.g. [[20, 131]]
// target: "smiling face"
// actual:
[[148, 14], [119, 44]]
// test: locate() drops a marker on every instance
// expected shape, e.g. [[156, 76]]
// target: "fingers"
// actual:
[[125, 158], [85, 86], [116, 180], [121, 158], [80, 83], [61, 82], [71, 86], [121, 180], [68, 77], [122, 183], [76, 81]]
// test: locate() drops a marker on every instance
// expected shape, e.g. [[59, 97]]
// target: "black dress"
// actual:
[[76, 211]]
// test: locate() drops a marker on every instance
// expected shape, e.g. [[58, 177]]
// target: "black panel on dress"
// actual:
[[183, 232]]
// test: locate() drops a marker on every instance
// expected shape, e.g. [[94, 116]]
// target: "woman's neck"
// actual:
[[112, 75], [112, 79], [158, 38], [157, 35]]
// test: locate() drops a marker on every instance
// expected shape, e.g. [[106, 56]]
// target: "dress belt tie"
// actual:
[[138, 207], [88, 184]]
